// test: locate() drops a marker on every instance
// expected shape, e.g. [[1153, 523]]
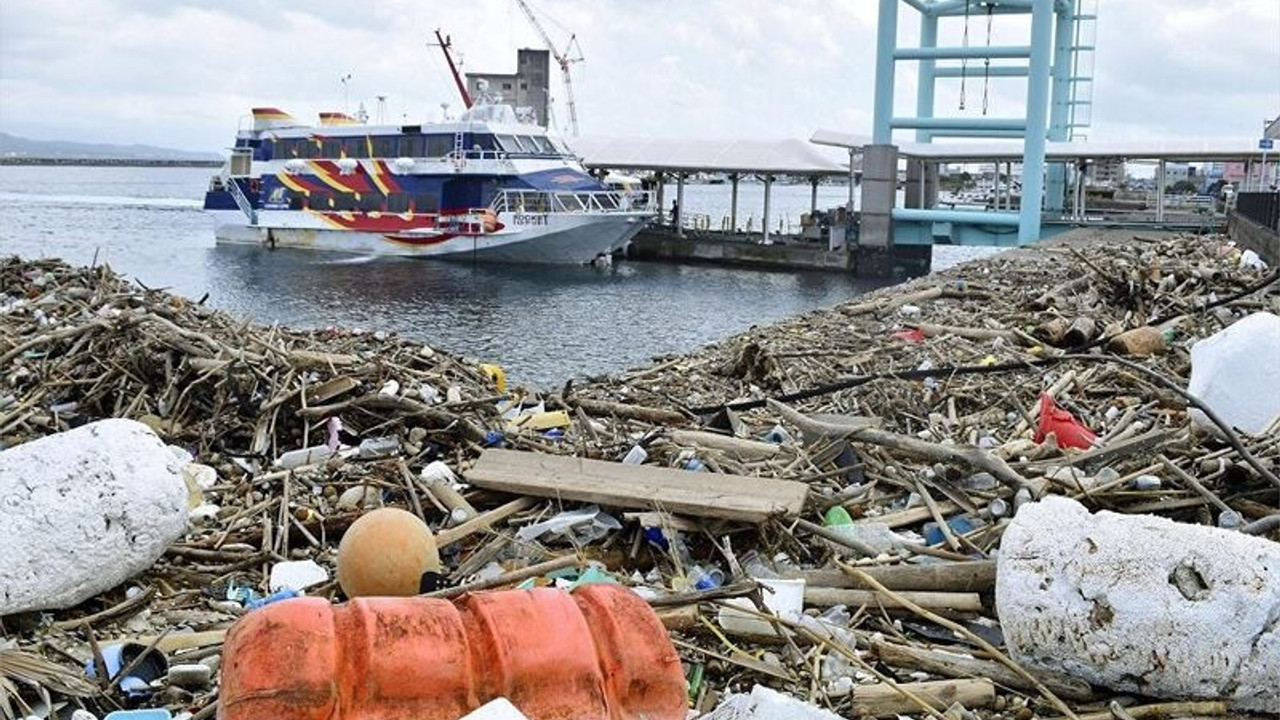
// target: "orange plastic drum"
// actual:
[[597, 654]]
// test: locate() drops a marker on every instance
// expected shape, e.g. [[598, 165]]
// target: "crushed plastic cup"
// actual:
[[493, 439], [1063, 425], [117, 656], [911, 335]]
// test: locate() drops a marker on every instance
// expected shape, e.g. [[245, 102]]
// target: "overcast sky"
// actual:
[[181, 73]]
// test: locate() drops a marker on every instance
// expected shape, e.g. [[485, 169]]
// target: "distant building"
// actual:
[[1176, 172], [526, 90], [1106, 173]]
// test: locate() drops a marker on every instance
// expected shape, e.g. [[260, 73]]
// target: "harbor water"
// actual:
[[545, 325]]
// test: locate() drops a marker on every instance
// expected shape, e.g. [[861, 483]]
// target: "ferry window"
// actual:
[[344, 201], [331, 148], [355, 147], [426, 203], [398, 202], [439, 145], [321, 200], [484, 142], [411, 146], [508, 143], [529, 143], [384, 147], [557, 146], [541, 142], [295, 200], [308, 148], [371, 202]]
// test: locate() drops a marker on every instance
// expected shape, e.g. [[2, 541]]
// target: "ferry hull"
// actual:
[[564, 240]]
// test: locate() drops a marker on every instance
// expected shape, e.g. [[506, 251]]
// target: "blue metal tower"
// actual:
[[1056, 104]]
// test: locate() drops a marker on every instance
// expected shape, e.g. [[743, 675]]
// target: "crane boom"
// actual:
[[562, 59]]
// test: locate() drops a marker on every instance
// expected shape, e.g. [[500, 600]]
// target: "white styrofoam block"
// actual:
[[766, 704], [500, 709], [83, 511], [1142, 604], [1236, 372]]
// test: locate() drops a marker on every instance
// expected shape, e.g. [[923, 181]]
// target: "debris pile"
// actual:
[[814, 509]]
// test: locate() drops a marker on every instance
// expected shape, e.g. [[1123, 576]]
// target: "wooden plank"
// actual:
[[730, 497]]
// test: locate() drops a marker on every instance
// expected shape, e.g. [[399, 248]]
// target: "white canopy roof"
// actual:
[[783, 157], [1215, 149]]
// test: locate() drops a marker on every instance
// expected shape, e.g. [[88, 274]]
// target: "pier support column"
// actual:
[[679, 217], [922, 184], [733, 203], [661, 179], [764, 224], [1037, 121], [813, 195], [879, 190], [1160, 191]]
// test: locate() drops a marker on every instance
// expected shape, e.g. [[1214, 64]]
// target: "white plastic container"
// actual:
[[786, 601]]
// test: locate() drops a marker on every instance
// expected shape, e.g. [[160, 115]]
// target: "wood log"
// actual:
[[977, 576], [974, 457], [961, 666], [484, 521], [954, 601], [884, 699], [655, 416], [731, 497], [746, 450]]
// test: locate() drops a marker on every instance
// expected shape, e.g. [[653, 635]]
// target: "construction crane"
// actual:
[[562, 58]]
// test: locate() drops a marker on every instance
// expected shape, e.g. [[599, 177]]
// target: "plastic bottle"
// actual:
[[754, 566], [706, 577], [379, 447], [635, 456]]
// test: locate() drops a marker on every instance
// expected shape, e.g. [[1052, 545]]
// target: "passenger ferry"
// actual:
[[483, 187]]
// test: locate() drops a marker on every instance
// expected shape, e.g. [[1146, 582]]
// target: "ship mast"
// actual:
[[445, 44]]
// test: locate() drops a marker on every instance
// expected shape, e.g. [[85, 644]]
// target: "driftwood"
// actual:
[[962, 666], [975, 458]]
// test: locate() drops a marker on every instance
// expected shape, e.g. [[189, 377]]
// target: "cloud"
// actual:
[[182, 72]]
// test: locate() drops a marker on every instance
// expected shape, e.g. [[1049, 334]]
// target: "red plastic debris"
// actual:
[[1069, 431], [911, 335]]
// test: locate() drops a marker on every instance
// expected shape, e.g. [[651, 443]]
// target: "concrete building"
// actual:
[[1106, 172], [526, 89]]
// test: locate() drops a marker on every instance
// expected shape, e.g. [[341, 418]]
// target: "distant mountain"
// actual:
[[14, 146]]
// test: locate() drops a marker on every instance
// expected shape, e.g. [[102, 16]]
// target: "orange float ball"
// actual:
[[385, 553]]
